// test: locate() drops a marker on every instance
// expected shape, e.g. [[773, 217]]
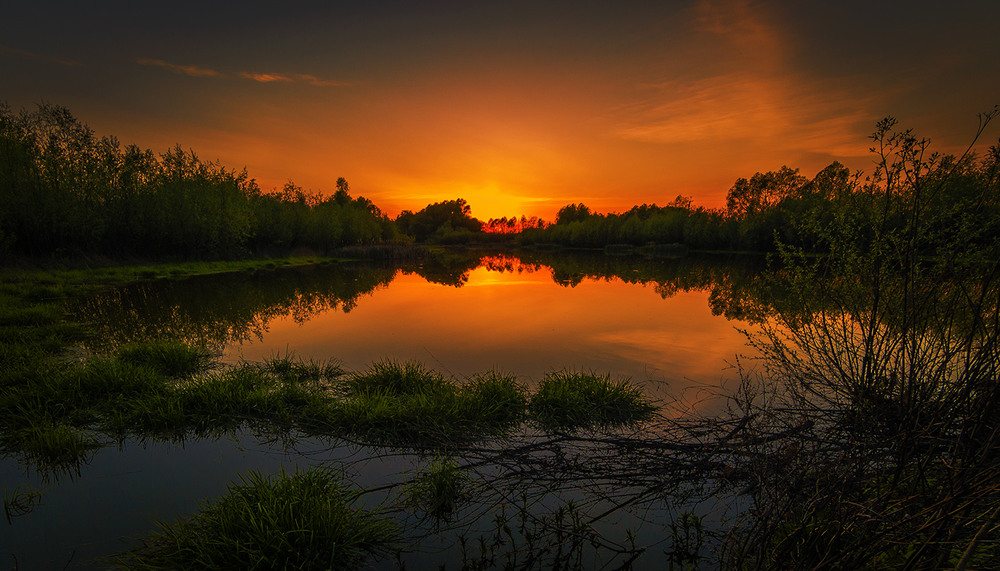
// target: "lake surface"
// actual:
[[670, 325]]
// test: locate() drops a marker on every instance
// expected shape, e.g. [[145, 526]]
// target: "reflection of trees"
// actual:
[[508, 263], [449, 267], [225, 307], [231, 307], [736, 285]]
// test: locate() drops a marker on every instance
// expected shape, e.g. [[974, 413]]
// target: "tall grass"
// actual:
[[398, 379], [302, 520], [406, 402]]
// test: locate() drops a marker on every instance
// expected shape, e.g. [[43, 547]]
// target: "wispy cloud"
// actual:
[[192, 70], [14, 52], [265, 77], [744, 106], [195, 71], [754, 94], [294, 77]]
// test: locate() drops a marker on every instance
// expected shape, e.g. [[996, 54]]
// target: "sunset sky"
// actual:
[[518, 107]]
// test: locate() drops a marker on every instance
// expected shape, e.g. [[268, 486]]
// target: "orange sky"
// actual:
[[518, 107]]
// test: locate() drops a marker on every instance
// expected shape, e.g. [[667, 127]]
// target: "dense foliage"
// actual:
[[448, 221], [885, 358], [771, 209], [64, 190]]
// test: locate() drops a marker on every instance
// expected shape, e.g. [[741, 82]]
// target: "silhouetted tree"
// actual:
[[762, 191], [64, 190], [572, 213], [440, 219]]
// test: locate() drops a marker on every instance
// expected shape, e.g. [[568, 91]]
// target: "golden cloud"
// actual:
[[191, 70], [290, 77]]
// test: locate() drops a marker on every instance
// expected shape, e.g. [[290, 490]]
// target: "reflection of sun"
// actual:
[[483, 276]]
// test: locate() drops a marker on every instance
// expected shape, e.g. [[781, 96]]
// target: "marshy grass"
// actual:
[[166, 389], [398, 379], [169, 357], [567, 400], [499, 398], [273, 393], [440, 490], [302, 520], [407, 403], [291, 369], [53, 447]]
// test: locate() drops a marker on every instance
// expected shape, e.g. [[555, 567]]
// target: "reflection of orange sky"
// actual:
[[525, 324]]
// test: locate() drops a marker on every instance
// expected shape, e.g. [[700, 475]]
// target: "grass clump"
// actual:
[[167, 356], [292, 370], [439, 491], [393, 378], [53, 447], [498, 398], [572, 400], [101, 381], [302, 520], [408, 403]]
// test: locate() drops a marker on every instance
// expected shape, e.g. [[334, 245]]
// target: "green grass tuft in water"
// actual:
[[167, 356], [393, 378], [288, 521], [440, 490], [572, 400]]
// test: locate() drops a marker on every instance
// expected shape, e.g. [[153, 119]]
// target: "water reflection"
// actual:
[[666, 322], [657, 321]]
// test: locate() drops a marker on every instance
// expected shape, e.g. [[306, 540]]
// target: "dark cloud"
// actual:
[[24, 54]]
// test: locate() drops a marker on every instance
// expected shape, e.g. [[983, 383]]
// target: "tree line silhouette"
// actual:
[[784, 208], [66, 191]]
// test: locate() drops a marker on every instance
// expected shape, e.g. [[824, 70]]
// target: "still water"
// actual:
[[668, 325], [521, 323]]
